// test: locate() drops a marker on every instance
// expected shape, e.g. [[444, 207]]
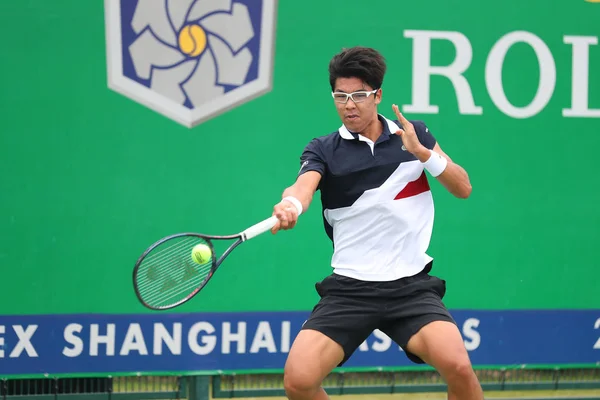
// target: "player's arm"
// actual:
[[454, 177], [300, 194], [303, 189], [296, 199], [451, 175]]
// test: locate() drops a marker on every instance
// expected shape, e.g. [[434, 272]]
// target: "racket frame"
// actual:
[[241, 237]]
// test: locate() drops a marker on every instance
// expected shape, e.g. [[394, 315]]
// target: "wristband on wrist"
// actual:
[[295, 202], [436, 164]]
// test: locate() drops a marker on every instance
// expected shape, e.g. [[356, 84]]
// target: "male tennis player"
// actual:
[[378, 211]]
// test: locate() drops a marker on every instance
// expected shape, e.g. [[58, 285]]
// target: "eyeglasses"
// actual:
[[357, 97]]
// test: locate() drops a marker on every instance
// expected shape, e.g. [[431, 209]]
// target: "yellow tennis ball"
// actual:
[[192, 40], [201, 254]]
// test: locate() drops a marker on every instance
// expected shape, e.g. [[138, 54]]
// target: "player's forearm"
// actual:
[[304, 188], [302, 194], [454, 177], [456, 180]]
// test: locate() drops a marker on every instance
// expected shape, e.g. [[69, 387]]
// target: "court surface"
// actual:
[[525, 394]]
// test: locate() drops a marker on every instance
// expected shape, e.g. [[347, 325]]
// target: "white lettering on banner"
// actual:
[[2, 331], [209, 342], [96, 339], [473, 338], [285, 336], [597, 326], [202, 339], [239, 337], [580, 77], [162, 335], [422, 70], [493, 74], [364, 346], [134, 341], [24, 341], [71, 338], [382, 344], [263, 339]]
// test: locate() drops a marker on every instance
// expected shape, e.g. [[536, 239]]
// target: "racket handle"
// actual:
[[259, 228]]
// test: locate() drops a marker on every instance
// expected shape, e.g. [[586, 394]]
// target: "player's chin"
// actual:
[[353, 124]]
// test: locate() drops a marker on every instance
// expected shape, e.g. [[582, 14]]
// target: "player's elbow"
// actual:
[[464, 191]]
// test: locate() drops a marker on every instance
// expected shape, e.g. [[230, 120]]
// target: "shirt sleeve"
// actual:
[[425, 136], [312, 159]]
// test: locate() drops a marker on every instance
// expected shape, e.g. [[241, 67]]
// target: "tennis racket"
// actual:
[[165, 276]]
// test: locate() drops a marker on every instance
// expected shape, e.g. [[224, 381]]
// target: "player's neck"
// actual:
[[373, 130]]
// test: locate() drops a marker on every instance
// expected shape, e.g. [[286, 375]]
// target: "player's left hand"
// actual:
[[408, 134]]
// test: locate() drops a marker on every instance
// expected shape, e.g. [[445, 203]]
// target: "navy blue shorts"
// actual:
[[350, 309]]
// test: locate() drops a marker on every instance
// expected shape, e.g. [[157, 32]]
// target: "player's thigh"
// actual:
[[434, 335], [440, 344], [312, 357], [338, 324], [408, 319]]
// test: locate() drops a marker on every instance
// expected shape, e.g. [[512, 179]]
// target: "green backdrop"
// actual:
[[89, 178]]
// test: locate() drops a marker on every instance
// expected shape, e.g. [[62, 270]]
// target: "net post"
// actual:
[[198, 387], [109, 388], [556, 376], [55, 388]]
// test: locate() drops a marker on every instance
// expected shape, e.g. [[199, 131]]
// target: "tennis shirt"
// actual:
[[376, 202]]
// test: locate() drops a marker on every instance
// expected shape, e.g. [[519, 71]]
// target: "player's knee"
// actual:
[[459, 370], [300, 385]]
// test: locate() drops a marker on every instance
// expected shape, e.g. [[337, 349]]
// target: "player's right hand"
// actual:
[[287, 216]]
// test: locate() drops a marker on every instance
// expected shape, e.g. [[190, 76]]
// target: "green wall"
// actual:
[[90, 178]]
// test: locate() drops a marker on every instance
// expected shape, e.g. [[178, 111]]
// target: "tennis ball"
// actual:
[[201, 254], [192, 40]]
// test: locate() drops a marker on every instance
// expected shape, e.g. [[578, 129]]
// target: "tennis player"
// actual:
[[378, 211]]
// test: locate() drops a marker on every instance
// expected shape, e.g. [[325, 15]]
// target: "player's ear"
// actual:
[[378, 96]]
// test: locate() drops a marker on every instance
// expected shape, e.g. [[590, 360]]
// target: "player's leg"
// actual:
[[312, 357], [421, 324], [440, 344], [339, 323]]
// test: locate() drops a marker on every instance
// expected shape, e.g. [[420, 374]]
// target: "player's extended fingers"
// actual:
[[397, 112], [401, 118]]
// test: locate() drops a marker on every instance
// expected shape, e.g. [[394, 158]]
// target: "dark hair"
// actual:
[[364, 63]]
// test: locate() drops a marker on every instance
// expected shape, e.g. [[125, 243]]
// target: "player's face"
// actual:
[[356, 114]]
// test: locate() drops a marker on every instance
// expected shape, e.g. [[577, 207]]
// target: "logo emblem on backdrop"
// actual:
[[190, 60]]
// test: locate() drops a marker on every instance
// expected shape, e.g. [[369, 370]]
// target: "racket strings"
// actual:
[[169, 275], [160, 264], [179, 292], [169, 288], [164, 259]]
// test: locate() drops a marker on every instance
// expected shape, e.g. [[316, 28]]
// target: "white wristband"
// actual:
[[295, 202], [436, 164]]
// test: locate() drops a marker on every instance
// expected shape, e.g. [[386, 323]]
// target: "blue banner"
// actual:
[[100, 343]]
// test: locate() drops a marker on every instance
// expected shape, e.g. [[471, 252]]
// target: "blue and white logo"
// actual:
[[190, 60]]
